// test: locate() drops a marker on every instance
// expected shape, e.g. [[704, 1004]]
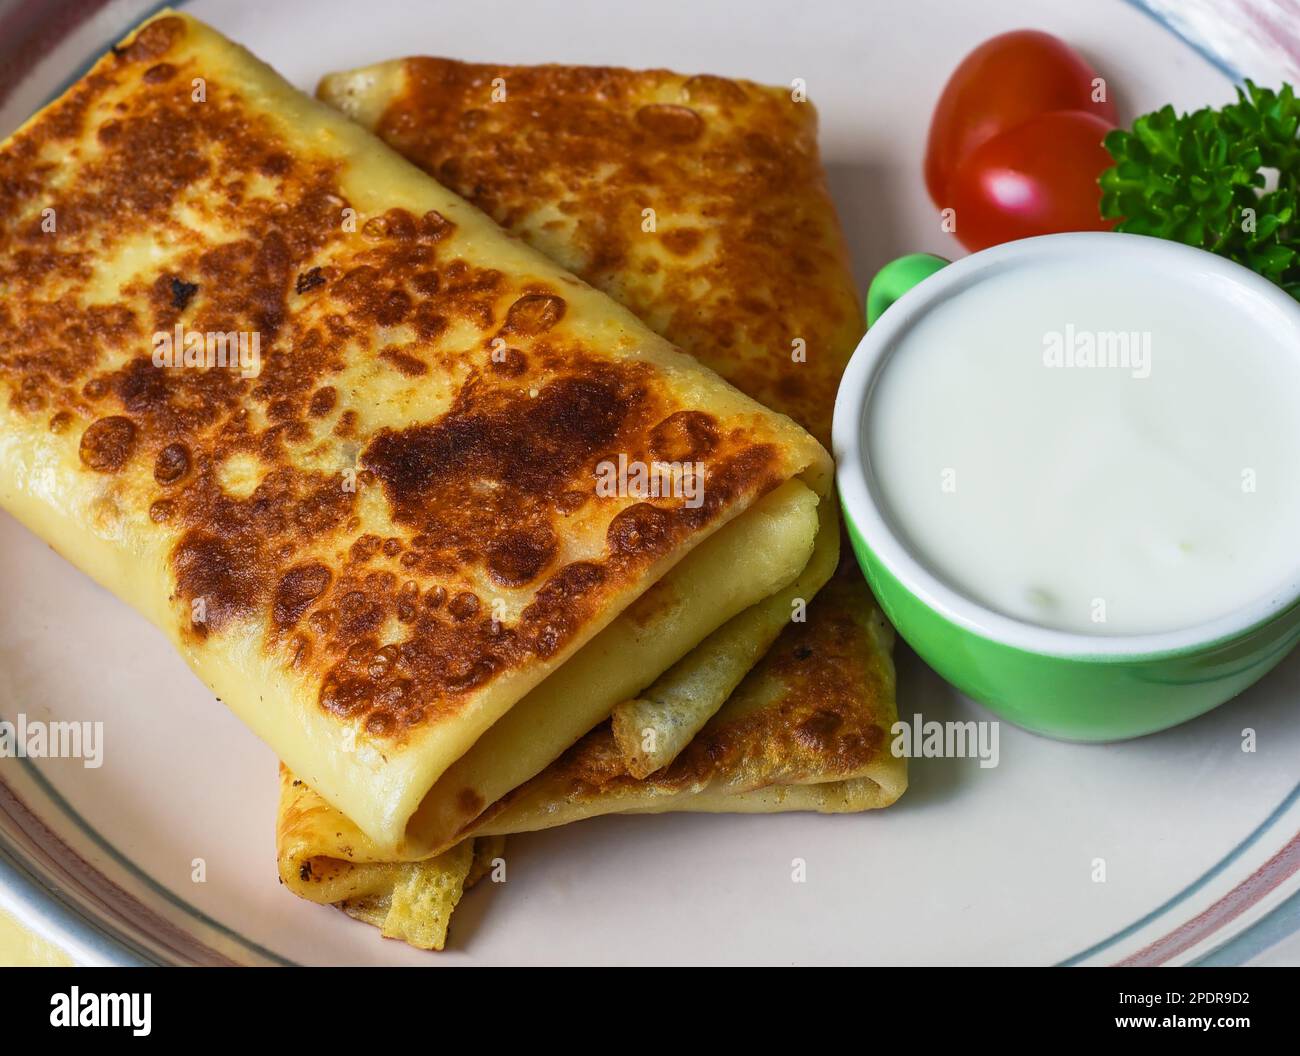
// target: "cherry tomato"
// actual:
[[1035, 179], [1003, 83]]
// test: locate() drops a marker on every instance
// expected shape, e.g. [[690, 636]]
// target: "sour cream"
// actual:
[[1105, 450]]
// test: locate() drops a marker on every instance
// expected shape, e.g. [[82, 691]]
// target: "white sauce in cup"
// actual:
[[1100, 450]]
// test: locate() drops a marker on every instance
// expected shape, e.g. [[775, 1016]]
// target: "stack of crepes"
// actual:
[[384, 544]]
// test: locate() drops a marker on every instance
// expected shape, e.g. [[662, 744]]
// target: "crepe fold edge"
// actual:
[[412, 902], [652, 728]]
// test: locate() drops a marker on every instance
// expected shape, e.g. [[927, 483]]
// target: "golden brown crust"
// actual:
[[392, 624], [745, 259]]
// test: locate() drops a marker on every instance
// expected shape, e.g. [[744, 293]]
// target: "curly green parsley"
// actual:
[[1202, 178]]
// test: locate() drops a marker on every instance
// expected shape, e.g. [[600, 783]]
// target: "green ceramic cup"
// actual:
[[1071, 686]]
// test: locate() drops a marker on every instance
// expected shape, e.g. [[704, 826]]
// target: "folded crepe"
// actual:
[[745, 267], [335, 433]]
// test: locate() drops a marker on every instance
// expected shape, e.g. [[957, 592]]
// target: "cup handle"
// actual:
[[896, 278]]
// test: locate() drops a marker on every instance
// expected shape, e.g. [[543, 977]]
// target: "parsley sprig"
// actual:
[[1200, 178]]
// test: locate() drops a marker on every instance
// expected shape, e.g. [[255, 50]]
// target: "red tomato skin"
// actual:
[[1036, 179], [1003, 83]]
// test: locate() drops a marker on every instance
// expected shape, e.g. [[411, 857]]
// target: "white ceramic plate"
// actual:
[[1201, 841]]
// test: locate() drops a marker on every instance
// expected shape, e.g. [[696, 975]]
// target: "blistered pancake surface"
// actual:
[[698, 202]]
